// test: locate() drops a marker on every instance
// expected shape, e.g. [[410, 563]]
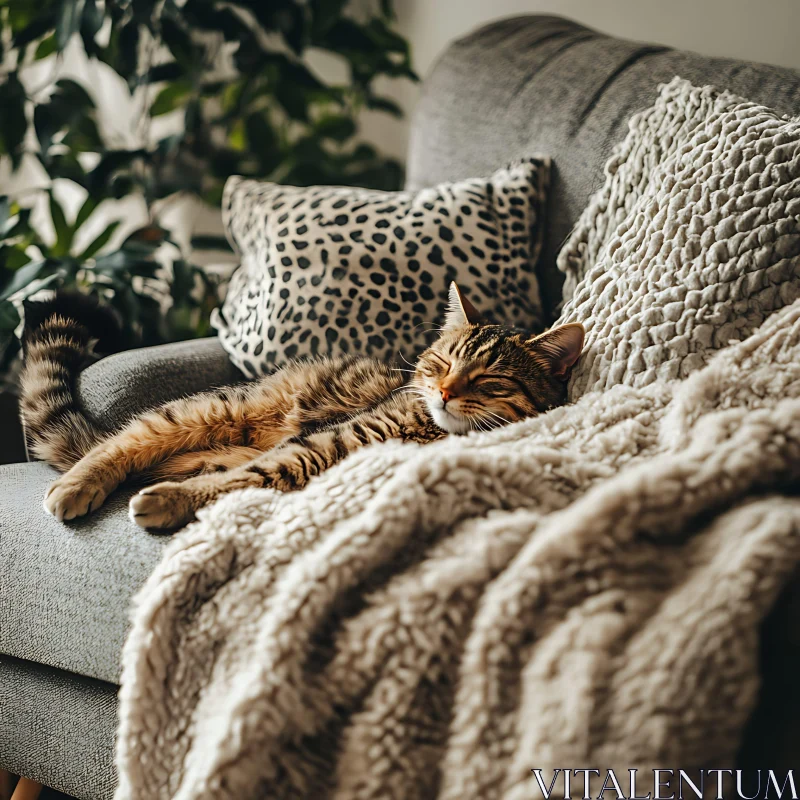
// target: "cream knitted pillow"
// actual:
[[692, 242]]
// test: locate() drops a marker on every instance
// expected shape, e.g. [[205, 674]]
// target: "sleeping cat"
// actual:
[[282, 430]]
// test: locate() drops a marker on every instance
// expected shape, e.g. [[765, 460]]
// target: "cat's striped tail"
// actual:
[[61, 336]]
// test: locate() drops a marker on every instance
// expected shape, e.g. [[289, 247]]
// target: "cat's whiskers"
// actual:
[[482, 425], [476, 423], [434, 326], [408, 362], [409, 386], [497, 416], [413, 390]]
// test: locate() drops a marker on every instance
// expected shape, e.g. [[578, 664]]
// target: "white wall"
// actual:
[[755, 30]]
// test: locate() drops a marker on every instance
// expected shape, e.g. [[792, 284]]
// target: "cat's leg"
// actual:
[[288, 467], [188, 465], [257, 415]]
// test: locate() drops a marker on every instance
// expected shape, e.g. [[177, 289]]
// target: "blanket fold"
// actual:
[[581, 589]]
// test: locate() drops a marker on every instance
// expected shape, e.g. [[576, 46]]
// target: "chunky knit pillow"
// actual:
[[331, 270], [693, 241]]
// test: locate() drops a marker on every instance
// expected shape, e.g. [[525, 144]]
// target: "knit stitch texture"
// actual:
[[691, 243]]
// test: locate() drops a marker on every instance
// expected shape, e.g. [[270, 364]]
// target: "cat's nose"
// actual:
[[451, 387]]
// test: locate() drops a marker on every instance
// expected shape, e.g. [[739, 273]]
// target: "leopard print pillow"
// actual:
[[327, 270]]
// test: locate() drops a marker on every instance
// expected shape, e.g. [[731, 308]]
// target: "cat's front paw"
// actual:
[[71, 497], [163, 506]]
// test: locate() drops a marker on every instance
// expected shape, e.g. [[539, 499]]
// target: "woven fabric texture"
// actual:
[[57, 728], [65, 590], [692, 242], [117, 388]]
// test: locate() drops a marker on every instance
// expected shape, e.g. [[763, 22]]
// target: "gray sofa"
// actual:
[[518, 86]]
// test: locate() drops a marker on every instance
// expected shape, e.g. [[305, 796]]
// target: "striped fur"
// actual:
[[290, 426], [56, 348]]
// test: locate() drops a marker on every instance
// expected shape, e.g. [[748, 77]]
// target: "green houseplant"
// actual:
[[235, 75], [233, 80]]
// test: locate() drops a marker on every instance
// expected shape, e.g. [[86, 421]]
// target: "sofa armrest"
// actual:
[[117, 388]]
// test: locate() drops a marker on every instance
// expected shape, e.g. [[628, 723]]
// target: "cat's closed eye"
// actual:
[[486, 378], [442, 361], [495, 384]]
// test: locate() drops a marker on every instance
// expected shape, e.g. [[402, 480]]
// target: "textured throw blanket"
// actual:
[[579, 590]]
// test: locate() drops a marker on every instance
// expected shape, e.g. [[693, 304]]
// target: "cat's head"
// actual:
[[478, 376]]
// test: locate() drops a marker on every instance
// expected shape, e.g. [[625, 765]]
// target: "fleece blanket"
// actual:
[[582, 589]]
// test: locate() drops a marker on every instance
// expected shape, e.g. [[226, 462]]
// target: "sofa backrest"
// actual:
[[544, 84]]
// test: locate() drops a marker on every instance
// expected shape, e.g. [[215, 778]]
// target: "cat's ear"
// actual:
[[460, 311], [559, 348]]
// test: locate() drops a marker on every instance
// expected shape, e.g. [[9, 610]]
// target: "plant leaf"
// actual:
[[236, 137], [69, 107], [23, 276], [261, 138], [171, 71], [69, 21], [171, 97], [14, 258], [42, 24], [64, 232], [5, 211], [91, 22], [127, 53], [100, 242], [339, 128], [205, 16], [179, 42], [17, 224], [376, 103], [74, 95], [182, 280], [85, 211], [292, 97], [67, 166], [83, 136], [293, 28], [46, 47], [324, 14], [46, 125], [124, 260], [9, 317], [12, 103], [110, 162]]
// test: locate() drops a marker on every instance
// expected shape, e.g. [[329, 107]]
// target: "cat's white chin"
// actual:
[[449, 422]]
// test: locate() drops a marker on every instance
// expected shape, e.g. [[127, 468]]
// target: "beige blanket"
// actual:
[[579, 590]]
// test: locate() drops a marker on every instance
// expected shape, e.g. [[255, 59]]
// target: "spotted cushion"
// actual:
[[332, 270], [693, 241]]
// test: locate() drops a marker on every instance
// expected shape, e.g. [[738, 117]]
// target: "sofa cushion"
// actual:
[[58, 728], [332, 270], [544, 84], [65, 589], [116, 388]]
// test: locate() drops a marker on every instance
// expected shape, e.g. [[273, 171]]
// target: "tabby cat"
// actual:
[[284, 429]]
